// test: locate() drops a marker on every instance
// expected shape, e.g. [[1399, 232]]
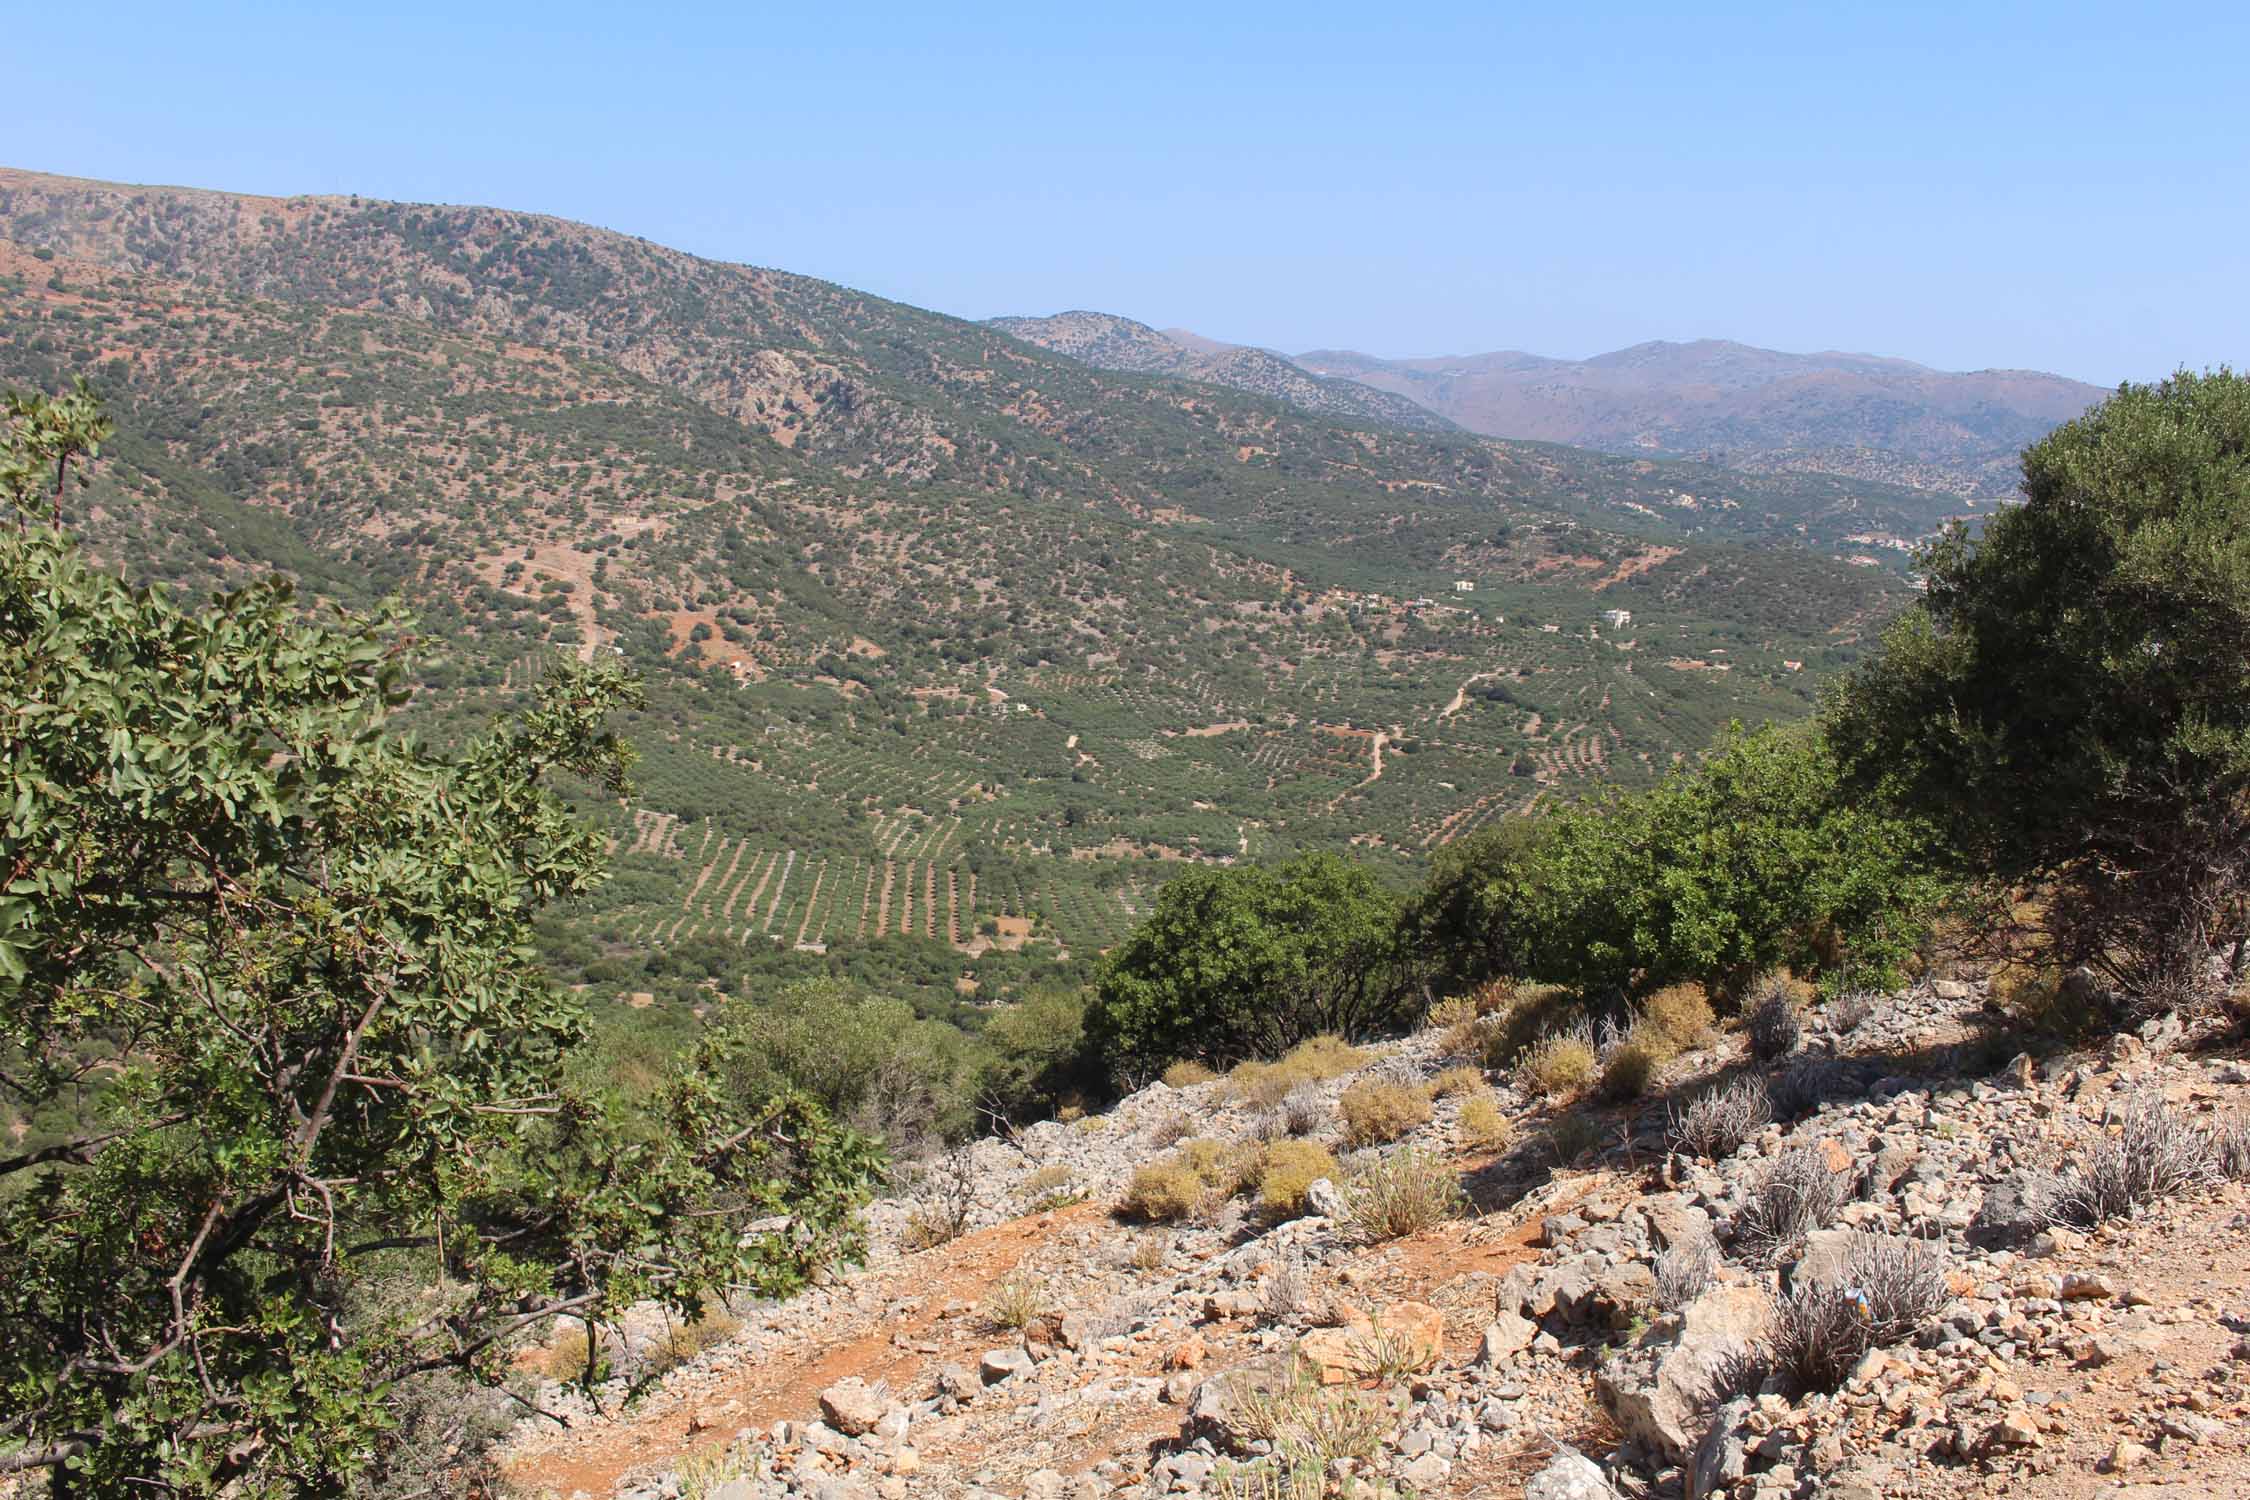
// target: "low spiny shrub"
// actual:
[[1776, 1017], [2155, 1153], [1796, 1195], [1722, 1119]]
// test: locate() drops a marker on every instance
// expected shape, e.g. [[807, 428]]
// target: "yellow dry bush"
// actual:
[[1483, 1127], [1450, 1011], [1186, 1074], [1266, 1084], [1048, 1178], [1457, 1080], [1224, 1169], [1290, 1167], [1375, 1111], [1493, 996], [688, 1340], [1682, 1014], [2035, 999], [565, 1358], [1558, 1065], [1631, 1067], [1163, 1192]]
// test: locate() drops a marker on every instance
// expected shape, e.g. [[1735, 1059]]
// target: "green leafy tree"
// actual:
[[1749, 860], [330, 1155], [1248, 961], [1457, 926], [2072, 697]]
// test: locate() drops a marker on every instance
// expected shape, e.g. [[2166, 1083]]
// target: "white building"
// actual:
[[1617, 619], [1464, 586]]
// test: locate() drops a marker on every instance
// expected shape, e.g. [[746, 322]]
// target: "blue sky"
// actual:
[[2054, 186]]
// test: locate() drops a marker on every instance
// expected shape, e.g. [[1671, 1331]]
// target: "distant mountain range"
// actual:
[[1113, 343], [1712, 400]]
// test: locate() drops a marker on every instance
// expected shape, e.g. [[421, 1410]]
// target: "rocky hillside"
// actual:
[[1884, 1263], [1108, 342], [1754, 409]]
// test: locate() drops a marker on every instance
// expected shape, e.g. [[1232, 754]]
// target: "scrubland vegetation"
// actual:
[[298, 1126]]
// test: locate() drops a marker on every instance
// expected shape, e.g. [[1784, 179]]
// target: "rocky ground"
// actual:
[[1579, 1333]]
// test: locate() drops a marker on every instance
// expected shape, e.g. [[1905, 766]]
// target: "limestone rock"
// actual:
[[1404, 1334], [999, 1364], [1509, 1334], [1324, 1198], [1654, 1388], [853, 1407], [1723, 1456], [1570, 1476]]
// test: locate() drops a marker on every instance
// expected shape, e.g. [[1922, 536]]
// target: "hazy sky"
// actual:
[[2056, 186]]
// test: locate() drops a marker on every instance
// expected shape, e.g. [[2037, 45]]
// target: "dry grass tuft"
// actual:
[[1016, 1301], [1187, 1073], [1399, 1195]]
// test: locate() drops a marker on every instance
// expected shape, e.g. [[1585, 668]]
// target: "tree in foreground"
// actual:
[[277, 954], [2072, 697]]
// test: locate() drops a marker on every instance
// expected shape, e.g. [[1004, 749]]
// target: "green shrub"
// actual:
[[1247, 962], [1752, 859], [2071, 697]]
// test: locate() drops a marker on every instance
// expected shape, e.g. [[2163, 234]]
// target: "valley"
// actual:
[[930, 617]]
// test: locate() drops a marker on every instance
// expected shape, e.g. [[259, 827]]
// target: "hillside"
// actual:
[[1557, 1334], [956, 646], [1108, 342], [1753, 409]]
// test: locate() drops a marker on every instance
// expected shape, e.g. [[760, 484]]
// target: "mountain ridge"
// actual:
[[1762, 410]]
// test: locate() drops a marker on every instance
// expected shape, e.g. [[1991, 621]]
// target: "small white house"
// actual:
[[1617, 619], [1464, 585]]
